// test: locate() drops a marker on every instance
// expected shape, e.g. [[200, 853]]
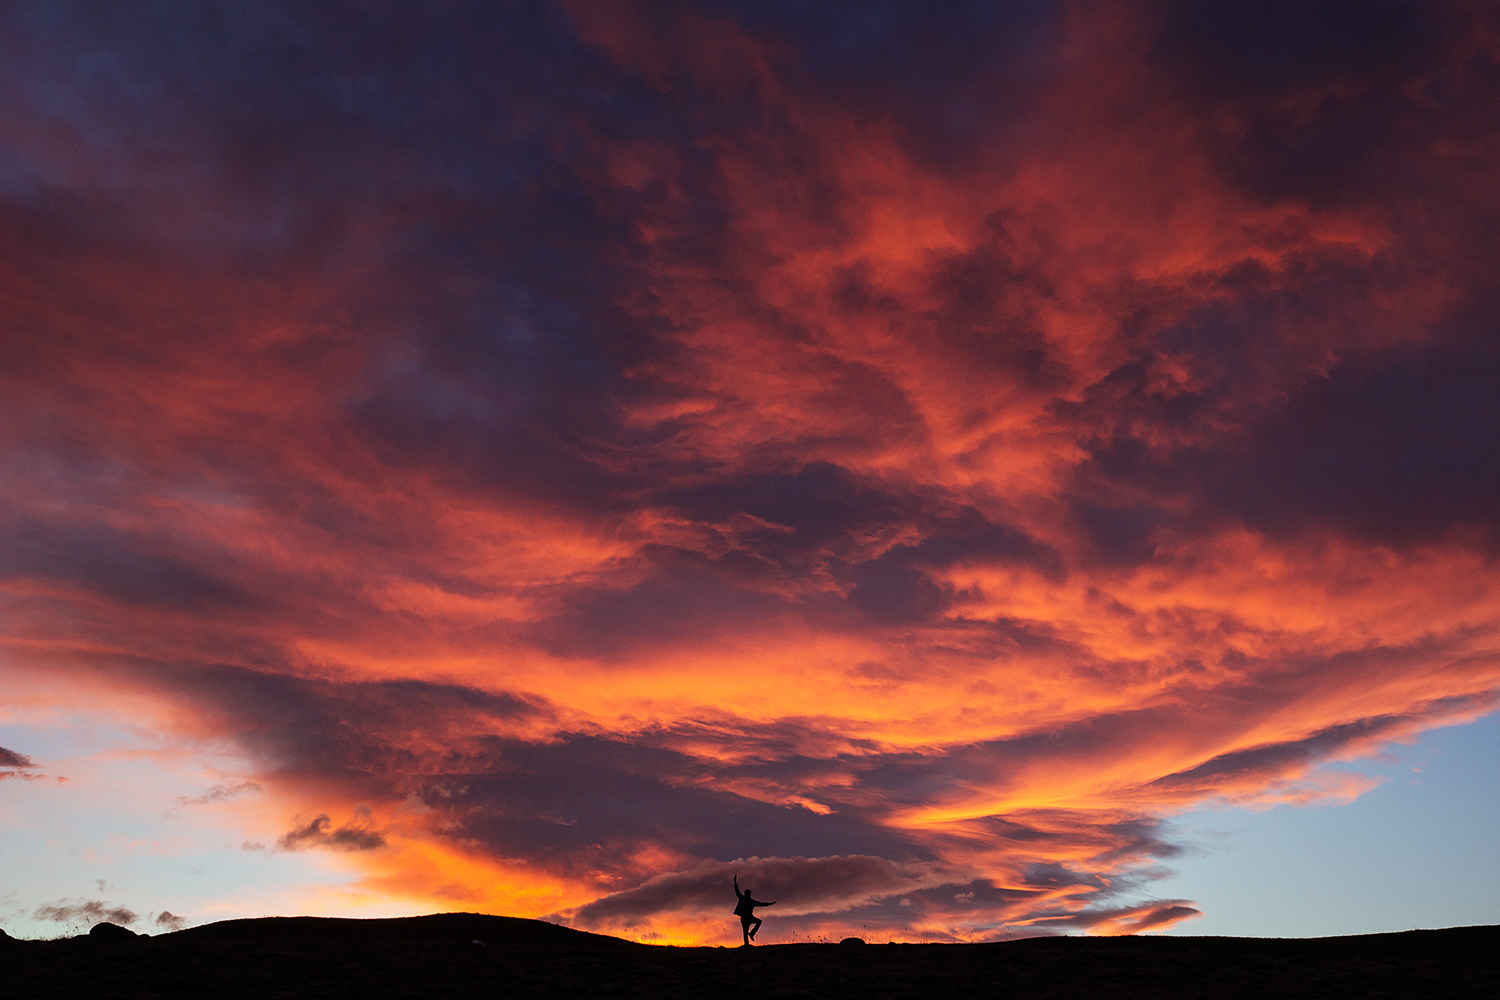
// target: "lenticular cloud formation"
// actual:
[[899, 456]]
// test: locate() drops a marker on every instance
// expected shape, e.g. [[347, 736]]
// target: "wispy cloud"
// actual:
[[15, 765], [218, 793], [320, 833], [86, 911]]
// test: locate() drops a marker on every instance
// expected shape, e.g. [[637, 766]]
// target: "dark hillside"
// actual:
[[434, 956]]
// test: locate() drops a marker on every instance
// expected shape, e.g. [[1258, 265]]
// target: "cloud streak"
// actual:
[[321, 834], [9, 758], [15, 765], [86, 911], [903, 463]]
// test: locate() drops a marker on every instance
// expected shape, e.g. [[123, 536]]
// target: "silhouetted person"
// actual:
[[745, 910]]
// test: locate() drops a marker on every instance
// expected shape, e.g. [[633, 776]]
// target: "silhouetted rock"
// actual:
[[5, 938], [852, 940], [107, 931]]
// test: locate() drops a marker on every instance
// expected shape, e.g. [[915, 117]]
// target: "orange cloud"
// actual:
[[903, 480]]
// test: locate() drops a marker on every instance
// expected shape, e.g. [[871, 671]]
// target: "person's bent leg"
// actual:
[[755, 926]]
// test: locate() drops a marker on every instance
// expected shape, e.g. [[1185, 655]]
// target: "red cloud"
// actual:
[[699, 438]]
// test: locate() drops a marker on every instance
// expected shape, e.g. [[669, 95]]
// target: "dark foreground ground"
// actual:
[[312, 957]]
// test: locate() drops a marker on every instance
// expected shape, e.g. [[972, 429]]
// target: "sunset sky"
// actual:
[[973, 470]]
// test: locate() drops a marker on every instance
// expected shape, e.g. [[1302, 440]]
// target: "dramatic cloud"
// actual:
[[903, 459]]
